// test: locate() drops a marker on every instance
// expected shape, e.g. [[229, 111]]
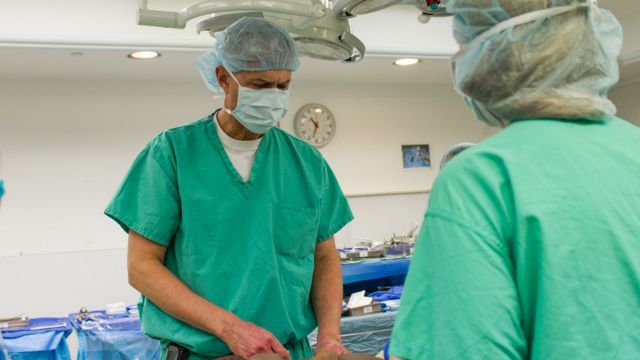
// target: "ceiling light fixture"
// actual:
[[406, 62], [144, 55]]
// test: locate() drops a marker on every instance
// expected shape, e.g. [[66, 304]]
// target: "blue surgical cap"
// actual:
[[559, 66], [249, 44], [1, 188]]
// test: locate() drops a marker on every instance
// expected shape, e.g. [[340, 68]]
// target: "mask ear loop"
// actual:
[[220, 96], [233, 77]]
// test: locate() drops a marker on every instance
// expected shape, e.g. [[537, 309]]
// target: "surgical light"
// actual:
[[144, 55], [318, 30], [406, 62]]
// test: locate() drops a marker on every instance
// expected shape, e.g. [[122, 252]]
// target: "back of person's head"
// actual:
[[543, 64]]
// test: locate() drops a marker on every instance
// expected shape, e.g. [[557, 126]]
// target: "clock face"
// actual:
[[315, 124]]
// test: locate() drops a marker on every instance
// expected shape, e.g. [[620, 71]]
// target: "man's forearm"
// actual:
[[171, 295], [326, 293]]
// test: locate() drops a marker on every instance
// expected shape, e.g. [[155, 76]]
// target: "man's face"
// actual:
[[258, 80]]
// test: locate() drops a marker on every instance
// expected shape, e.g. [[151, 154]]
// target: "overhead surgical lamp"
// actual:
[[318, 30]]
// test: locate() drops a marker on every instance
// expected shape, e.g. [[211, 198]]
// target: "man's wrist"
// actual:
[[222, 324], [328, 335]]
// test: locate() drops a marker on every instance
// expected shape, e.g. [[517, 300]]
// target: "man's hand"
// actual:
[[246, 340], [326, 296], [331, 345]]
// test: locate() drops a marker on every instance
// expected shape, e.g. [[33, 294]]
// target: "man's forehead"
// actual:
[[269, 75]]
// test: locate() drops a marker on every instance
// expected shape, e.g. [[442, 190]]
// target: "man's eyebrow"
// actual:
[[262, 80]]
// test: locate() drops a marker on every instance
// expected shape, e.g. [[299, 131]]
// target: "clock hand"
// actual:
[[315, 123]]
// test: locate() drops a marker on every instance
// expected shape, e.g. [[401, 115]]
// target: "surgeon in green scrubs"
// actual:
[[231, 220], [530, 248]]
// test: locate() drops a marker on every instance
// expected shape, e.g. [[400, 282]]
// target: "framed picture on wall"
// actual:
[[416, 156]]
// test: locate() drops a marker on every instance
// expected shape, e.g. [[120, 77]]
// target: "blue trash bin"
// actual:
[[43, 339], [113, 337]]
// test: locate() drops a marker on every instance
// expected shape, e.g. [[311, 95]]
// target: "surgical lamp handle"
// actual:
[[354, 42], [168, 19]]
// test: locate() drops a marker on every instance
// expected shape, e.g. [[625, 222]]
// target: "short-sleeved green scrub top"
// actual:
[[247, 247], [530, 249]]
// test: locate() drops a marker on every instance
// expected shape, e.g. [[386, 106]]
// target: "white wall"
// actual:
[[627, 99], [380, 217], [66, 146]]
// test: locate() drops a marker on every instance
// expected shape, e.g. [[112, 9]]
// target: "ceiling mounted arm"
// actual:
[[352, 8]]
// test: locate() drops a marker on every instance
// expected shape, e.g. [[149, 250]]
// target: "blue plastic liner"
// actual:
[[44, 339], [107, 337], [364, 334], [371, 274]]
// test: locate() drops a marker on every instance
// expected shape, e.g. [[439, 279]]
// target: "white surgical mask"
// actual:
[[259, 110]]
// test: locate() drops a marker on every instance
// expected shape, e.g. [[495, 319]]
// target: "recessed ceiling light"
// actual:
[[318, 111], [142, 55], [406, 62]]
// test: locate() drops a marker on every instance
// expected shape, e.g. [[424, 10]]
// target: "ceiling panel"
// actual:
[[60, 64]]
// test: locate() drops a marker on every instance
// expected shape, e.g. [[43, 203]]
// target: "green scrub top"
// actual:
[[530, 249], [246, 247]]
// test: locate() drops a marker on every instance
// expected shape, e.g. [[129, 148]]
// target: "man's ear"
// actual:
[[223, 78]]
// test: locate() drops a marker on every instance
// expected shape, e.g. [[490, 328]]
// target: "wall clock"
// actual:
[[316, 124]]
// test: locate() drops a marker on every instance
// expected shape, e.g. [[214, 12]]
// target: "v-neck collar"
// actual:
[[257, 162]]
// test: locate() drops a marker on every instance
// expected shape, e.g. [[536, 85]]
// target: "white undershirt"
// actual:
[[242, 153]]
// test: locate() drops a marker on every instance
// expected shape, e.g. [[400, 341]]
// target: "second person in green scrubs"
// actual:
[[530, 248]]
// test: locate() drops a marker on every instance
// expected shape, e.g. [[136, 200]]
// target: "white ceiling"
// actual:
[[622, 8], [177, 66], [26, 61]]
